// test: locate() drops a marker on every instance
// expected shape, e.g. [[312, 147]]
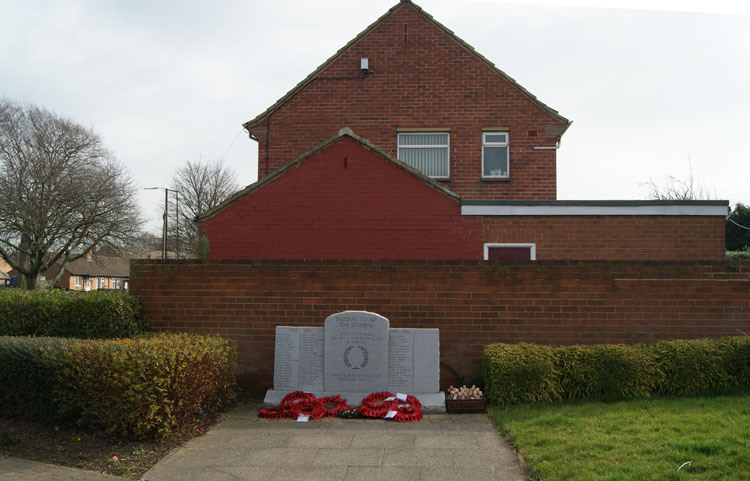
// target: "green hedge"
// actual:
[[27, 377], [58, 313], [519, 373], [605, 371], [151, 386], [515, 373]]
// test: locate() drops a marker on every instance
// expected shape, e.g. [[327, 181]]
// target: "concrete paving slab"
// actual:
[[382, 473], [235, 473], [458, 441], [422, 457], [15, 469], [322, 440], [308, 473], [280, 456], [349, 457], [475, 473], [383, 440]]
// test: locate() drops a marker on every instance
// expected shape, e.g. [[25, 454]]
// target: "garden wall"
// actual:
[[473, 303]]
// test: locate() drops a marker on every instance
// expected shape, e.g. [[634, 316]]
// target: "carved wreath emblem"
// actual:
[[364, 354]]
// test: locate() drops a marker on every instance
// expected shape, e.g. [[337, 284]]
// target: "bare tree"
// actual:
[[201, 186], [63, 193], [678, 189]]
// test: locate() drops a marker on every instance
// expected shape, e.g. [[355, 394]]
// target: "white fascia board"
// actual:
[[517, 210]]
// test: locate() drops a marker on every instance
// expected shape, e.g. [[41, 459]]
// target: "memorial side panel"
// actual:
[[286, 359], [401, 360], [311, 359], [426, 360], [298, 359]]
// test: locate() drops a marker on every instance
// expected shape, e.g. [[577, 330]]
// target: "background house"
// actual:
[[93, 273], [409, 89], [4, 277]]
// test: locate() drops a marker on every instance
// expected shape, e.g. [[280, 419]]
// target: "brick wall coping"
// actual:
[[594, 207], [742, 266]]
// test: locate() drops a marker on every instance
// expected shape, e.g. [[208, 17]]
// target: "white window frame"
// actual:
[[431, 146], [77, 281], [506, 144], [532, 245], [100, 283]]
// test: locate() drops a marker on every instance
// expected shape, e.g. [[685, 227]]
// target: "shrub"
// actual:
[[736, 354], [530, 373], [515, 373], [27, 377], [606, 371], [690, 366], [53, 312], [743, 255], [148, 386]]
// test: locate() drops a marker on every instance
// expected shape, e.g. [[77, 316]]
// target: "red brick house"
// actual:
[[475, 176]]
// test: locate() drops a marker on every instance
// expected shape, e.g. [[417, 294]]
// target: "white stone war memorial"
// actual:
[[355, 354]]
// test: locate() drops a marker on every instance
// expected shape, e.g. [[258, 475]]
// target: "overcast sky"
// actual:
[[163, 82]]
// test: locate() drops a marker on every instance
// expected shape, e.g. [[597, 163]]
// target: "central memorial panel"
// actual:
[[356, 352]]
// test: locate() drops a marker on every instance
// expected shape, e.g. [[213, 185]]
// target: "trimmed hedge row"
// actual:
[[27, 377], [58, 313], [150, 386], [515, 373]]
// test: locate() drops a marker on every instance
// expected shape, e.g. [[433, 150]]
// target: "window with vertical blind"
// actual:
[[429, 152]]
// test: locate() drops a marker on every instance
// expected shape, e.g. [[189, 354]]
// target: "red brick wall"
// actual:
[[473, 303], [679, 238], [348, 202], [345, 202], [422, 79]]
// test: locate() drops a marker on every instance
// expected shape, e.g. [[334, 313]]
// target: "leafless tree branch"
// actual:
[[64, 193], [201, 186]]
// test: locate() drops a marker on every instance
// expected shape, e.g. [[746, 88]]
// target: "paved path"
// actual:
[[16, 469], [440, 447], [243, 447]]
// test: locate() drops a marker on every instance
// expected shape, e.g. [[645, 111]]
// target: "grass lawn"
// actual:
[[633, 440]]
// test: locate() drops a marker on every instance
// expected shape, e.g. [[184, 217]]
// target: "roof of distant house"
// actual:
[[99, 266]]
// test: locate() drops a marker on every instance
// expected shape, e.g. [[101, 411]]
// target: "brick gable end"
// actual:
[[420, 77]]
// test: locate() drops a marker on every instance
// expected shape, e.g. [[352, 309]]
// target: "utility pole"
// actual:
[[166, 219]]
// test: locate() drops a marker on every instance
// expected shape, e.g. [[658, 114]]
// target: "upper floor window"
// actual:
[[428, 152], [495, 152]]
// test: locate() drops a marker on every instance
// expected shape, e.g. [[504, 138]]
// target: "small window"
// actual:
[[100, 283], [77, 281], [426, 152], [495, 152], [510, 252]]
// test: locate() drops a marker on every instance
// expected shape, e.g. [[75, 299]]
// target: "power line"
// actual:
[[231, 144], [738, 225]]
